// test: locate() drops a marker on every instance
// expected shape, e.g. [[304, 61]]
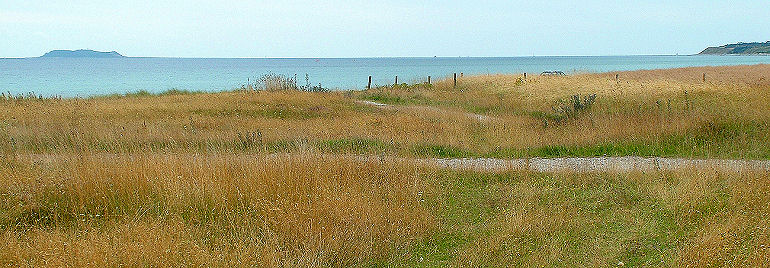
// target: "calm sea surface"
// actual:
[[88, 77]]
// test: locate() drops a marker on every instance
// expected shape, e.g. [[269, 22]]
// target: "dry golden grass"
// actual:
[[272, 178], [663, 110], [753, 75], [655, 113], [208, 122], [314, 210], [156, 209]]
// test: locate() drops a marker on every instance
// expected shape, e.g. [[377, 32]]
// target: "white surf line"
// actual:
[[597, 164]]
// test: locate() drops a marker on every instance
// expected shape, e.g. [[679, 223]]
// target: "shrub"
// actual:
[[276, 82], [279, 82], [572, 107], [250, 139]]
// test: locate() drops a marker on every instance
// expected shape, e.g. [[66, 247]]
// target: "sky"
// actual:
[[396, 28]]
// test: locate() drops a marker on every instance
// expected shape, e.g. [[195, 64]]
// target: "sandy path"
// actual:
[[479, 117]]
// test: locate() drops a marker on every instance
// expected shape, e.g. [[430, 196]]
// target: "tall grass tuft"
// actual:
[[572, 107], [279, 82]]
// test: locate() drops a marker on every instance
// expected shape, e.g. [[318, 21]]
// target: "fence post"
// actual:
[[704, 77], [525, 76], [429, 79], [369, 85], [455, 80], [396, 80]]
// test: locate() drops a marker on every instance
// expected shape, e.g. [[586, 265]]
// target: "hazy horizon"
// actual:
[[350, 29]]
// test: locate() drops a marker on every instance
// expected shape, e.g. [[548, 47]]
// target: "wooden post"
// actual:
[[704, 77], [396, 80], [369, 85], [617, 78], [429, 79], [525, 76], [455, 80]]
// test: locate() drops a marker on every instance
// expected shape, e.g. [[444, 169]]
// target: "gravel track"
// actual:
[[573, 164], [597, 164]]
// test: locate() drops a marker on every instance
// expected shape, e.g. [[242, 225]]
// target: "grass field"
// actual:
[[647, 113], [273, 178]]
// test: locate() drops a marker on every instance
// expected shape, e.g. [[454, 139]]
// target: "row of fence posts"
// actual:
[[617, 77], [454, 80]]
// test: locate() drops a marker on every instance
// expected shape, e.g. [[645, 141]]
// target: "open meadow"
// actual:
[[290, 178]]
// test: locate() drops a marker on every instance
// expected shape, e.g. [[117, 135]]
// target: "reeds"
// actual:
[[279, 82], [29, 96]]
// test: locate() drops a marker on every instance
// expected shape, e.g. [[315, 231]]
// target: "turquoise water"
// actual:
[[87, 77]]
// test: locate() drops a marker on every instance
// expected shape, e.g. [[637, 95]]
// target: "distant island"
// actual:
[[81, 53], [739, 49]]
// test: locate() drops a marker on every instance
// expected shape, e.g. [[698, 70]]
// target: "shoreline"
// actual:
[[182, 90]]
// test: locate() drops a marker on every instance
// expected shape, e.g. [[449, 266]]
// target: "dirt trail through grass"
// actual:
[[479, 117]]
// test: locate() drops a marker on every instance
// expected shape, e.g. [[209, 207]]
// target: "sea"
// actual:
[[87, 77]]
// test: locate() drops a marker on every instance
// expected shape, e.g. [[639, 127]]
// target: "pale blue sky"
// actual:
[[347, 28]]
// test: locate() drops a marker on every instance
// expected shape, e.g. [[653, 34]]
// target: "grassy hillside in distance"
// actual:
[[739, 49]]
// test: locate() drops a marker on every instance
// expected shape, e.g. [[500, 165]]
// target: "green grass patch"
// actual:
[[613, 216], [354, 145], [440, 151]]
